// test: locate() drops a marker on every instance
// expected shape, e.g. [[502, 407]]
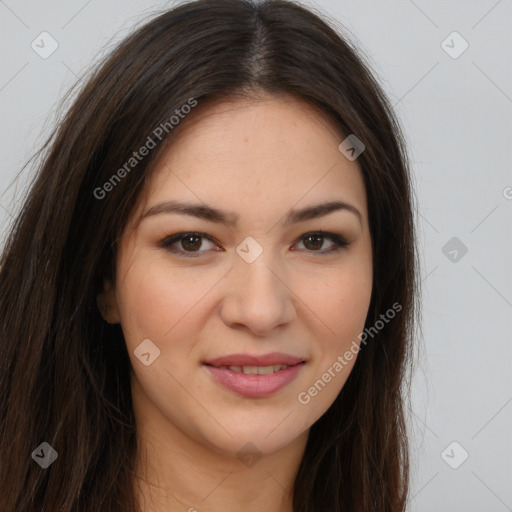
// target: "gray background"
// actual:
[[456, 113]]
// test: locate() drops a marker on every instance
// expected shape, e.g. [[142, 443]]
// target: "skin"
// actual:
[[258, 158]]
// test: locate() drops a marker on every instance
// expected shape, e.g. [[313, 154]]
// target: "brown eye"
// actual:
[[190, 243], [314, 241]]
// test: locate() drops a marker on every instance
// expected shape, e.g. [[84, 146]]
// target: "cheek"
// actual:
[[149, 306], [158, 301], [342, 302], [342, 305]]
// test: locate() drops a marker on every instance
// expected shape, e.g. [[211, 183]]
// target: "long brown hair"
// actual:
[[64, 372]]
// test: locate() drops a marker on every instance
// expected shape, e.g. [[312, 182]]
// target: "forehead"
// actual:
[[252, 155]]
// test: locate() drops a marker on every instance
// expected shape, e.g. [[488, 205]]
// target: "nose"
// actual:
[[257, 297]]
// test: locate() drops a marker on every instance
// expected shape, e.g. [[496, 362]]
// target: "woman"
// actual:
[[208, 298]]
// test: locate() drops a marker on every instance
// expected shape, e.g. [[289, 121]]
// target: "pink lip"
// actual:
[[255, 386], [271, 359]]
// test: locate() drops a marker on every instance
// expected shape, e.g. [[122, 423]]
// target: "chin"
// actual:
[[269, 434]]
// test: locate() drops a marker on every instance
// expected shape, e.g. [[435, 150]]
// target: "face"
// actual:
[[252, 278]]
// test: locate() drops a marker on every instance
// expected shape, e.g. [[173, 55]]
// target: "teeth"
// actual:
[[257, 370], [264, 370]]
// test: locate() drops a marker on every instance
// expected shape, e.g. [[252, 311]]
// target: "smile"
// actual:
[[254, 381], [256, 370]]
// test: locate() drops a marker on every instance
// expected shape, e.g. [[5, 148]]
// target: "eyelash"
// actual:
[[169, 241]]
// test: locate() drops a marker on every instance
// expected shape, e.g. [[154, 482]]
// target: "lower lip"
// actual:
[[255, 386]]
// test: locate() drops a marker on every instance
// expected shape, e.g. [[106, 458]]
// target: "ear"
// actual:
[[107, 303]]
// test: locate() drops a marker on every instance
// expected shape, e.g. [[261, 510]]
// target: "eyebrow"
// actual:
[[230, 219]]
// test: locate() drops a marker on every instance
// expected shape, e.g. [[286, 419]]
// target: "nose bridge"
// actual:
[[256, 275], [257, 296]]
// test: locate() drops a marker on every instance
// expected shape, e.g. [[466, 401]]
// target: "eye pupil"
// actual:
[[317, 237], [187, 239]]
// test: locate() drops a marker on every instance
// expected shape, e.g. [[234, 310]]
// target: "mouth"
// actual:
[[255, 361], [255, 381], [255, 370]]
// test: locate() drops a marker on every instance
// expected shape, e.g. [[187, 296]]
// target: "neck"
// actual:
[[176, 472]]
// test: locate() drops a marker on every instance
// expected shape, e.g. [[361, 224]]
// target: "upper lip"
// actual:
[[271, 359]]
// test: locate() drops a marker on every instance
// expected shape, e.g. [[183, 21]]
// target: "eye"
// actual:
[[316, 239], [191, 242]]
